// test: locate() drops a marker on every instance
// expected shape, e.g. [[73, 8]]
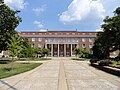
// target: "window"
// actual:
[[90, 45], [83, 45], [73, 40], [46, 40], [33, 39], [55, 33], [73, 33], [83, 39], [33, 33], [40, 33], [90, 39], [90, 33], [39, 45], [50, 33], [39, 39], [83, 33], [67, 33]]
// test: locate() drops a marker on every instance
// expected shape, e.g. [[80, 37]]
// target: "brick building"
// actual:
[[61, 43]]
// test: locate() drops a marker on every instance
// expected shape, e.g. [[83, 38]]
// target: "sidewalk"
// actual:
[[62, 74]]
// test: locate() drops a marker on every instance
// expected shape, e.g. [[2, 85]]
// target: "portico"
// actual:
[[61, 49]]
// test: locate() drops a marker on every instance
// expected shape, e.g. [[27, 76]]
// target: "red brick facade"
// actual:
[[71, 39]]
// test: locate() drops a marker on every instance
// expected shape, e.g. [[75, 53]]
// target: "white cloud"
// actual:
[[16, 4], [83, 11], [99, 30], [38, 23], [39, 10], [43, 30]]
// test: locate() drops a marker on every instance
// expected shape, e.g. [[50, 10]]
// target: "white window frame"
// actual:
[[39, 39], [90, 45], [83, 45], [33, 39], [39, 45], [83, 39], [90, 39]]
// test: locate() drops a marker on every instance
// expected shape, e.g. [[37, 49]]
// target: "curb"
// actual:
[[107, 69]]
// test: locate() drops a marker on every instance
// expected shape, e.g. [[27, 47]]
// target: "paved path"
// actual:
[[62, 74]]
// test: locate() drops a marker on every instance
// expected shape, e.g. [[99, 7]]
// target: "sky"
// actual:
[[60, 15]]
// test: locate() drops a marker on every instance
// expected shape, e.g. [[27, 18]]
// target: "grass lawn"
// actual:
[[9, 69], [34, 59], [115, 64], [81, 59], [26, 59]]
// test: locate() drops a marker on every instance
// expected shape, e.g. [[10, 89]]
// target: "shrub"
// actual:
[[93, 60], [117, 58], [104, 62], [5, 61]]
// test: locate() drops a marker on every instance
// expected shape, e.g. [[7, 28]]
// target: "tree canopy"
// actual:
[[108, 40], [8, 22]]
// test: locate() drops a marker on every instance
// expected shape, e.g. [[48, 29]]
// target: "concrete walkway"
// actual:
[[62, 74]]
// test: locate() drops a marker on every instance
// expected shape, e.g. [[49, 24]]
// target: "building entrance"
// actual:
[[61, 50]]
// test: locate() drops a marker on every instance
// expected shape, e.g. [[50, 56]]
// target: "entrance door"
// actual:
[[68, 50], [61, 50], [55, 50]]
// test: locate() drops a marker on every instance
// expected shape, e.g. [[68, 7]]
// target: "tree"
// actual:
[[8, 22], [82, 52], [27, 50], [77, 52], [14, 46], [1, 1], [109, 40], [45, 52]]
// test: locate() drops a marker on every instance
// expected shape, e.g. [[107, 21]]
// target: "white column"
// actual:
[[58, 50], [45, 46], [71, 49], [64, 50], [51, 50]]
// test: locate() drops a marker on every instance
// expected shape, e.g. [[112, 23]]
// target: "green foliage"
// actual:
[[14, 45], [8, 22], [104, 62], [82, 52], [45, 51], [77, 51], [108, 40], [27, 49]]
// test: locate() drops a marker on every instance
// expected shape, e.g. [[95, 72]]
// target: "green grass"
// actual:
[[34, 59], [26, 59], [115, 64], [7, 59], [81, 59], [7, 70]]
